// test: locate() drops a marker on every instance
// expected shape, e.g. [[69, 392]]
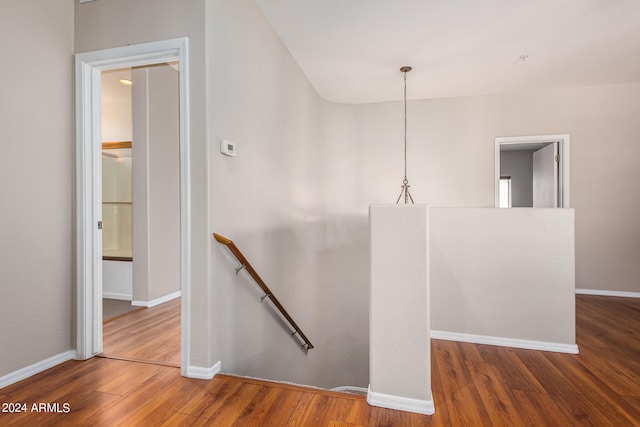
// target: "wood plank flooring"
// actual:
[[151, 335], [473, 385]]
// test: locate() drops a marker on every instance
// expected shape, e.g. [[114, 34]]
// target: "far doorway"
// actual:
[[532, 171], [88, 149]]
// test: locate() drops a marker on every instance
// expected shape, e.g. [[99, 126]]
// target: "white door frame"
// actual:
[[564, 150], [89, 67]]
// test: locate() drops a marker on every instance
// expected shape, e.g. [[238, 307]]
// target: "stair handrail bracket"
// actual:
[[245, 265]]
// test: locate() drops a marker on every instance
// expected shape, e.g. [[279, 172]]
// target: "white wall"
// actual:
[[519, 166], [274, 201], [400, 308], [36, 184], [156, 183], [116, 121], [117, 280], [504, 273]]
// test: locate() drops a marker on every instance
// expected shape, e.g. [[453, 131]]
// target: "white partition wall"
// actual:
[[117, 280], [156, 185], [504, 277], [400, 358]]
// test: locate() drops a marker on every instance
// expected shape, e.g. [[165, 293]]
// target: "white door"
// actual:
[[545, 177]]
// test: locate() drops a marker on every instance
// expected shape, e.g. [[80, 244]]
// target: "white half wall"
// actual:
[[399, 305], [117, 280], [507, 274]]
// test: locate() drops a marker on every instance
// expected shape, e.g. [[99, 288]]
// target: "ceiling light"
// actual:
[[126, 82], [405, 182]]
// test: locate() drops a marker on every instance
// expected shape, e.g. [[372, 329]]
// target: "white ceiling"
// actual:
[[115, 91], [351, 50]]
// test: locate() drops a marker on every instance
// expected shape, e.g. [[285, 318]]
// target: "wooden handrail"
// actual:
[[267, 292]]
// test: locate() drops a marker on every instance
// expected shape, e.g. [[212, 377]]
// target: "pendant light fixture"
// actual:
[[405, 182]]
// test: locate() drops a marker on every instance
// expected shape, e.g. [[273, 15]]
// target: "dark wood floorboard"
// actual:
[[473, 385]]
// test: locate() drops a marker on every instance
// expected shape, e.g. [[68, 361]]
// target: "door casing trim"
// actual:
[[88, 250]]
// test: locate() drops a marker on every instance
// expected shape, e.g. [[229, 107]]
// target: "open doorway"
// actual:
[[89, 218], [532, 171], [141, 216]]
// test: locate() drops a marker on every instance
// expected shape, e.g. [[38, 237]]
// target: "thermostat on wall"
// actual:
[[228, 148]]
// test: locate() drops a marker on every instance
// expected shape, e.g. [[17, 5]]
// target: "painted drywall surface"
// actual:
[[116, 121], [458, 134], [116, 106], [156, 188], [36, 183], [276, 201], [146, 21], [400, 356], [164, 181], [604, 174], [519, 166], [141, 185], [505, 273], [117, 279]]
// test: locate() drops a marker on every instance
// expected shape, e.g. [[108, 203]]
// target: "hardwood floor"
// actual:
[[151, 335], [473, 385]]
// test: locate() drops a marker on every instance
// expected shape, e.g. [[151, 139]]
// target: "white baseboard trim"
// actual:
[[157, 301], [623, 294], [400, 403], [203, 373], [123, 297], [506, 342], [36, 368]]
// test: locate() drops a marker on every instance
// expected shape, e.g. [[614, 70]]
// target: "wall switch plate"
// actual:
[[228, 148]]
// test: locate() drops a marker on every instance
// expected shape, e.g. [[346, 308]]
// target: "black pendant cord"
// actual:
[[405, 181]]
